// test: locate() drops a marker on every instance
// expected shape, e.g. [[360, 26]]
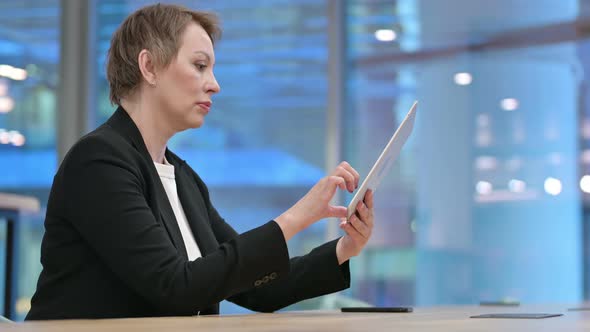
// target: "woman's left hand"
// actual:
[[358, 230]]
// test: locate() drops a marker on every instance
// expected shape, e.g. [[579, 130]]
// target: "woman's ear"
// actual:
[[147, 66]]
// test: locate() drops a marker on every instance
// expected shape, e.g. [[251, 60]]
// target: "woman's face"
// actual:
[[184, 88]]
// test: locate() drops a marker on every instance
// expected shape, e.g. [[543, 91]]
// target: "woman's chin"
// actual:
[[196, 121], [197, 124]]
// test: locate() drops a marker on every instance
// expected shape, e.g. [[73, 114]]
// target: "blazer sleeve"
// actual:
[[107, 205], [314, 274]]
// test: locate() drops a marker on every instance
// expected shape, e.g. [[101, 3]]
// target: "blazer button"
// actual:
[[265, 279], [258, 283], [273, 276]]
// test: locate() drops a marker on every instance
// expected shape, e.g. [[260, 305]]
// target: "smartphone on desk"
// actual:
[[377, 309]]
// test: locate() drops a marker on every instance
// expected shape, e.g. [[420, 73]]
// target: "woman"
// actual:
[[130, 230]]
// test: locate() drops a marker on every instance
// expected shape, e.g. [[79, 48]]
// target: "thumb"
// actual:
[[337, 211]]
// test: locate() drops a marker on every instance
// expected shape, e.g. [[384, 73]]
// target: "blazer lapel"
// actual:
[[195, 209], [123, 124]]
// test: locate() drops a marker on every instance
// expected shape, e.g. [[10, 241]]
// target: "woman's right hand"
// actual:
[[315, 205]]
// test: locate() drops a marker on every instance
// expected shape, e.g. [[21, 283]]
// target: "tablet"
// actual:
[[386, 159], [517, 315]]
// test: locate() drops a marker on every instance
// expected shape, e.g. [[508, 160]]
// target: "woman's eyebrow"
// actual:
[[203, 53]]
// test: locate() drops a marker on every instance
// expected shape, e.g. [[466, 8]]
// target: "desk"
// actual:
[[10, 208], [438, 319]]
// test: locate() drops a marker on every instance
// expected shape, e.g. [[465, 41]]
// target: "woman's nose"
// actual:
[[213, 87]]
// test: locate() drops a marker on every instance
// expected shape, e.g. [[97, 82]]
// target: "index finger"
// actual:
[[350, 169]]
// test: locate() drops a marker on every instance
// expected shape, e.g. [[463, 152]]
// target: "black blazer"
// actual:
[[112, 246]]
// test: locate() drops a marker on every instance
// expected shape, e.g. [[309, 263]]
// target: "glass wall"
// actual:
[[29, 62], [484, 203], [489, 199]]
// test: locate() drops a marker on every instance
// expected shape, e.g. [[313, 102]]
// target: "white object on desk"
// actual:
[[19, 203]]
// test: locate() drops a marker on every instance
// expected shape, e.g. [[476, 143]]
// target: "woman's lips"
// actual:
[[206, 106]]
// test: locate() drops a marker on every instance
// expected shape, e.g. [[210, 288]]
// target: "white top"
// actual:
[[166, 172]]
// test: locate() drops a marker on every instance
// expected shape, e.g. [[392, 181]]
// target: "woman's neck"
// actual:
[[150, 126]]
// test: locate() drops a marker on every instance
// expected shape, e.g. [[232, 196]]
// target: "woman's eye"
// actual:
[[200, 66]]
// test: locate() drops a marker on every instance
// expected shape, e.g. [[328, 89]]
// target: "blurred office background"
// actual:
[[488, 201]]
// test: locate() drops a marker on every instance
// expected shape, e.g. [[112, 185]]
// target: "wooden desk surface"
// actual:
[[422, 319]]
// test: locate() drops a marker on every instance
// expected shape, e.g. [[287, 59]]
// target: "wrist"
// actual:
[[288, 224], [341, 253]]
